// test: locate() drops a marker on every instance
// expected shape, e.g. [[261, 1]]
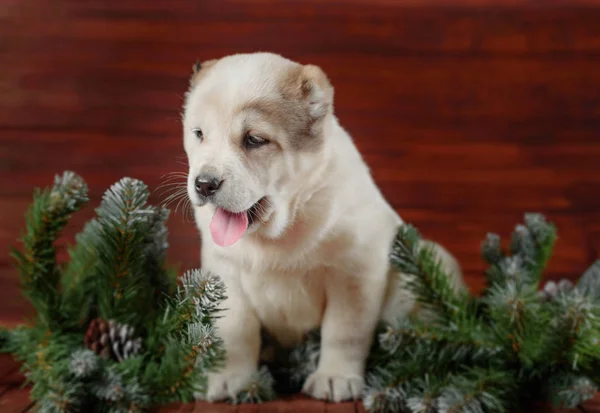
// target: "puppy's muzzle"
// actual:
[[207, 186]]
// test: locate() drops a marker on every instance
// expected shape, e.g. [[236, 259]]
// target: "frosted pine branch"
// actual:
[[589, 283], [569, 390], [259, 389], [83, 363], [204, 290], [490, 248]]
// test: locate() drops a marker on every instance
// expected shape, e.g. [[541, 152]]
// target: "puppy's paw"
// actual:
[[226, 385], [334, 387]]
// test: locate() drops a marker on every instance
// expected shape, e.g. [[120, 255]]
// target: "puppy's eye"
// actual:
[[199, 134], [253, 141]]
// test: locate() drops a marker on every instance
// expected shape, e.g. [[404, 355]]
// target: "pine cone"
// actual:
[[112, 340]]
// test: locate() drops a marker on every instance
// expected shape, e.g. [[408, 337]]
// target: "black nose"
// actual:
[[207, 186]]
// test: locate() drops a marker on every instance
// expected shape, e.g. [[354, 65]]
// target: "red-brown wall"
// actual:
[[470, 113]]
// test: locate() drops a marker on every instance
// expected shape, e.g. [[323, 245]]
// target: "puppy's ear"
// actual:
[[199, 69], [309, 87], [316, 91]]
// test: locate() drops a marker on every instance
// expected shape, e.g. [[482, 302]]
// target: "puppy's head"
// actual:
[[254, 127]]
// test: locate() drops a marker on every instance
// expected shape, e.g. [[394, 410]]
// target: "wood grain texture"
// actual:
[[469, 113]]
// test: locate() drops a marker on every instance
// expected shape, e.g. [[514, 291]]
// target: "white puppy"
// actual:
[[290, 218]]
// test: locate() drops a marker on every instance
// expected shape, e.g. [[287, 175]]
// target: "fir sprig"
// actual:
[[568, 390], [45, 219], [424, 274], [116, 271], [476, 355], [497, 348]]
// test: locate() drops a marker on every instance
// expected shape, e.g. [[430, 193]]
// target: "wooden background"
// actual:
[[469, 112]]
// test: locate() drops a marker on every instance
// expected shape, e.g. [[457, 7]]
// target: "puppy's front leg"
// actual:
[[351, 314], [239, 328]]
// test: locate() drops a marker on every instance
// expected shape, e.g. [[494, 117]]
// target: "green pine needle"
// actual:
[[425, 278], [116, 271], [476, 355]]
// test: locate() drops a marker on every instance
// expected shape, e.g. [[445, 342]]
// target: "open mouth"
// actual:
[[227, 227], [256, 211]]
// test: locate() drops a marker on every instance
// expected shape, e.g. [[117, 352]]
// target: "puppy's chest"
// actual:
[[288, 304]]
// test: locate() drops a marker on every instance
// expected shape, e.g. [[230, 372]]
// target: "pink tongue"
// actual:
[[226, 227]]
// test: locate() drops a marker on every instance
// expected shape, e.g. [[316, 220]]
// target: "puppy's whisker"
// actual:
[[174, 197], [171, 186], [176, 194], [168, 204], [174, 173], [176, 189], [189, 211], [177, 175], [175, 178], [179, 203]]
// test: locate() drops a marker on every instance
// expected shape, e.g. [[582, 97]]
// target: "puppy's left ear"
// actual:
[[316, 92], [199, 69]]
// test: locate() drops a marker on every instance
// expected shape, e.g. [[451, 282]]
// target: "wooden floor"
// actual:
[[469, 112], [14, 399]]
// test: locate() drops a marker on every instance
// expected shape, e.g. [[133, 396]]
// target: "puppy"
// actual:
[[290, 218]]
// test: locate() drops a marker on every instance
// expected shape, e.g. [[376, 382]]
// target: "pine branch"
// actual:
[[575, 329], [121, 395], [477, 391], [141, 253], [259, 389], [511, 269], [156, 251], [425, 277], [415, 395], [437, 345], [519, 321], [544, 237], [423, 393], [530, 249], [45, 219], [80, 278], [62, 397], [304, 359], [125, 221], [190, 347], [491, 249], [83, 364], [589, 283], [200, 296], [117, 272], [382, 394], [567, 390]]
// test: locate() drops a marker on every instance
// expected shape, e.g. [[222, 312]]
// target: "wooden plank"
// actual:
[[202, 407], [281, 406], [592, 406], [410, 89], [248, 408], [303, 403], [391, 27], [343, 407], [175, 408], [8, 366], [591, 223], [16, 400]]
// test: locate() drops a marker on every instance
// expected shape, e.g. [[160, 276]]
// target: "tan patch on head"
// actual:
[[305, 100], [310, 85], [285, 115], [199, 70]]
